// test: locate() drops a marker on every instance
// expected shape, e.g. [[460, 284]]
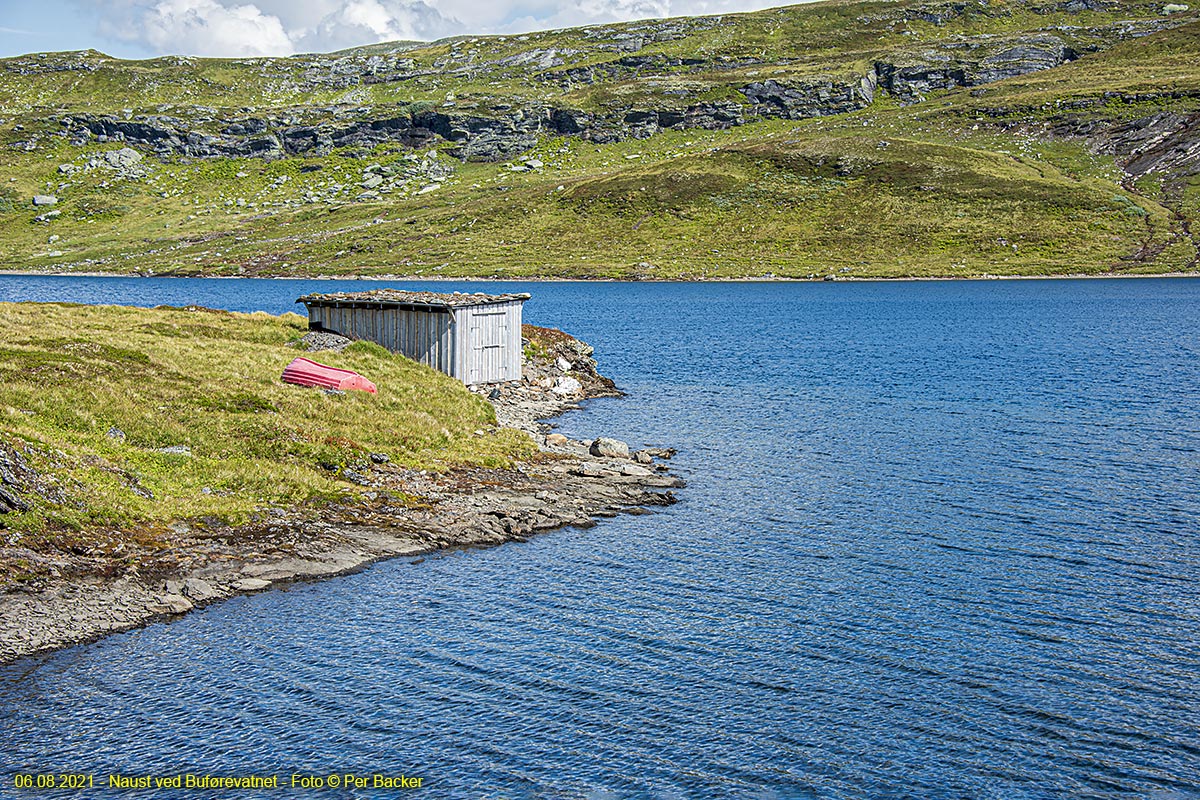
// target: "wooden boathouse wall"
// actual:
[[488, 342], [475, 340]]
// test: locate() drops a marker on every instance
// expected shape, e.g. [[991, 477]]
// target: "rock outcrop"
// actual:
[[1167, 143], [16, 478], [508, 133], [21, 484], [969, 62], [810, 98]]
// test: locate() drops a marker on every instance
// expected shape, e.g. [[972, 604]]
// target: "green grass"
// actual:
[[211, 381]]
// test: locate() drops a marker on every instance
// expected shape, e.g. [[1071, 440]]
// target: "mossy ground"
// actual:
[[209, 381]]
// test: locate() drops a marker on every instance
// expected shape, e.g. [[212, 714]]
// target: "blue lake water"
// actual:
[[940, 540]]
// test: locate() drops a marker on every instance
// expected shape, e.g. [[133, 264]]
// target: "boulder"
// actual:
[[356, 477], [569, 121], [198, 590], [568, 385], [590, 469], [45, 200], [10, 502], [556, 439], [251, 584], [125, 157], [170, 604], [609, 448], [15, 476]]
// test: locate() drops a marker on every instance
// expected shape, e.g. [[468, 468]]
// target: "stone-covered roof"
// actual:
[[398, 297]]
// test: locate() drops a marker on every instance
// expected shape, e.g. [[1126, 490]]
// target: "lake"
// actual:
[[940, 540]]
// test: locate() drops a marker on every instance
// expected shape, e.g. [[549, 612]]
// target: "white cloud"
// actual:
[[205, 27], [282, 27], [358, 22]]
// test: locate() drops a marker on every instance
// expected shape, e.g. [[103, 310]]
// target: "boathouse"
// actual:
[[473, 337]]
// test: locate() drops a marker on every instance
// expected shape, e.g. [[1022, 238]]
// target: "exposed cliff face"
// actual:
[[478, 138], [810, 98], [509, 131], [913, 76]]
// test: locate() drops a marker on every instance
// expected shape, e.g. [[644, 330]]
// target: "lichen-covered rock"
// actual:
[[605, 447], [251, 584], [912, 82], [125, 157]]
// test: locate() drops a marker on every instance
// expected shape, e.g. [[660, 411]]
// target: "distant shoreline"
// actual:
[[475, 279]]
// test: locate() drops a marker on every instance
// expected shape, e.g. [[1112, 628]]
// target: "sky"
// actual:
[[149, 28]]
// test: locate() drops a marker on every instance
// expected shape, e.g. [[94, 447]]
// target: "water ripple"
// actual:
[[940, 541]]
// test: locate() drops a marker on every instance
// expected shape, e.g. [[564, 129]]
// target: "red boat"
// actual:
[[304, 372]]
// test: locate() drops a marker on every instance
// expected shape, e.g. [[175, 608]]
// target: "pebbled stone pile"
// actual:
[[322, 340]]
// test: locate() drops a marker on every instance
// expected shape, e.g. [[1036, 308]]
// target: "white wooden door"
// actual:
[[488, 337]]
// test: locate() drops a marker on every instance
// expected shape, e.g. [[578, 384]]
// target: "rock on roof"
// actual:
[[397, 297]]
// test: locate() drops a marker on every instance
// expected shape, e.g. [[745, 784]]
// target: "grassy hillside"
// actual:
[[839, 138], [832, 37]]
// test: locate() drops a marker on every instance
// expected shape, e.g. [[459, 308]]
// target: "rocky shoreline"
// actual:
[[566, 483]]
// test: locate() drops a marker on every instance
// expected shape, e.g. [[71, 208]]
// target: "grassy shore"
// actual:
[[130, 420]]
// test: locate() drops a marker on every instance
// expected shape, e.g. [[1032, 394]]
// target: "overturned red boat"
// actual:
[[304, 372]]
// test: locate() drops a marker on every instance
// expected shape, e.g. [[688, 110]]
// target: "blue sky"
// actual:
[[148, 28], [27, 27]]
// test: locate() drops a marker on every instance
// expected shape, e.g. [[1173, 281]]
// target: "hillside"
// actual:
[[855, 139]]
